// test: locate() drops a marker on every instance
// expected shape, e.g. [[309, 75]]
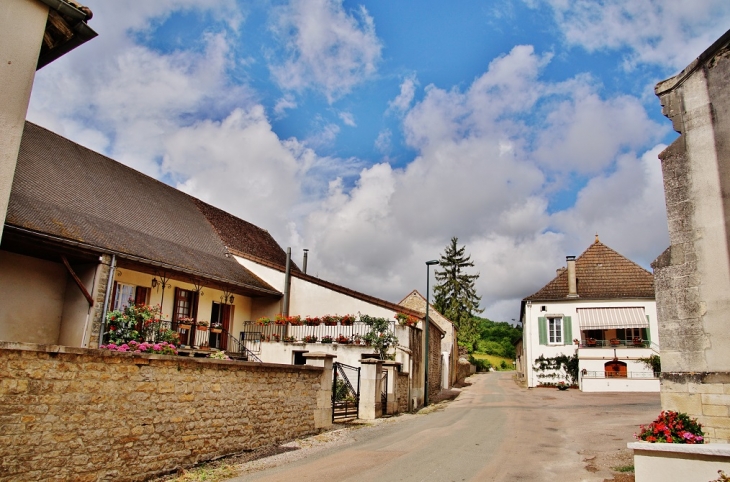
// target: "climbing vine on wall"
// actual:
[[554, 365]]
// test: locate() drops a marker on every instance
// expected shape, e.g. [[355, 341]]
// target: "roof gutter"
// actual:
[[141, 260], [82, 32]]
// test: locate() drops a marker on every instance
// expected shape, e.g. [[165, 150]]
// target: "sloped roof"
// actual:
[[244, 238], [69, 192], [601, 273], [416, 302]]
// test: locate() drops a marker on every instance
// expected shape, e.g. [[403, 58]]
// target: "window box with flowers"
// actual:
[[310, 339], [343, 340], [203, 325], [312, 321], [216, 327], [327, 339], [347, 320], [330, 320], [263, 321], [185, 323], [406, 320], [288, 339]]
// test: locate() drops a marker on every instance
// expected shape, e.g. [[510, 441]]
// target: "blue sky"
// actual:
[[372, 132]]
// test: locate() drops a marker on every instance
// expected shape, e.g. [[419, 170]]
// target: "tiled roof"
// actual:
[[416, 302], [69, 192], [601, 273], [244, 238]]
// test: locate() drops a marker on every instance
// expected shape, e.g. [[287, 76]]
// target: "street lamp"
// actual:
[[426, 329]]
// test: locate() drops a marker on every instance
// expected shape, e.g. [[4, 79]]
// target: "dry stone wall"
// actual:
[[77, 414], [403, 401]]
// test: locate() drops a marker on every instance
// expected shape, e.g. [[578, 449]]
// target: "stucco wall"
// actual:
[[309, 299], [619, 385], [32, 293], [77, 414], [21, 32], [76, 310]]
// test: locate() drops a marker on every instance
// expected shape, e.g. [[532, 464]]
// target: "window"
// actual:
[[123, 293], [555, 331]]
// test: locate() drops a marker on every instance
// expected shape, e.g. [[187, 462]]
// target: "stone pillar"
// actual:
[[22, 25], [323, 413], [370, 405], [393, 370]]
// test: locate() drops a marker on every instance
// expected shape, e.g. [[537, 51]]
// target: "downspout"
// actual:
[[287, 283], [109, 284]]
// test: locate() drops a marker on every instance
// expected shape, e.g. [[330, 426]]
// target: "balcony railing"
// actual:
[[254, 334], [615, 343], [604, 374]]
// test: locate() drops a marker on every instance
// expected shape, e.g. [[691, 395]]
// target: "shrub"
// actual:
[[482, 365], [162, 348], [672, 427]]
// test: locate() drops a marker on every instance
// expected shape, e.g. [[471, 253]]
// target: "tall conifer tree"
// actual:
[[454, 294]]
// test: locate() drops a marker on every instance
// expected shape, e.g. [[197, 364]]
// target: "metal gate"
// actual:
[[384, 391], [345, 391]]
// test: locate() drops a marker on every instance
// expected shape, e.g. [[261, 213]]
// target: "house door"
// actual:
[[223, 314], [615, 369], [183, 308]]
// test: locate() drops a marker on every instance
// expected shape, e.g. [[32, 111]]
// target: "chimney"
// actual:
[[572, 284], [304, 262]]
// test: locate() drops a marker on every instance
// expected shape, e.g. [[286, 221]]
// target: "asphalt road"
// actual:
[[494, 431]]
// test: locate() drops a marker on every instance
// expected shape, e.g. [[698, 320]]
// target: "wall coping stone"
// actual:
[[714, 449], [371, 361], [391, 363], [145, 358]]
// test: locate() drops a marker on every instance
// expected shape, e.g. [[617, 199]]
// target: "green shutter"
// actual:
[[567, 331], [648, 331], [542, 329]]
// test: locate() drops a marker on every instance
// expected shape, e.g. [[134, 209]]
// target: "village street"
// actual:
[[495, 430]]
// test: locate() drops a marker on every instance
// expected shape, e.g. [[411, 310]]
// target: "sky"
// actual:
[[372, 132]]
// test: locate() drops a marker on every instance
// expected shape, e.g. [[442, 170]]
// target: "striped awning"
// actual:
[[609, 318]]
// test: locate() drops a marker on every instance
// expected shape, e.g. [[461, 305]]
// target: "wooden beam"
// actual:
[[78, 281]]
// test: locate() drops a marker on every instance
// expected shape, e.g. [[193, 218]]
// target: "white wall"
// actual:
[[22, 24], [309, 299], [531, 337], [76, 309]]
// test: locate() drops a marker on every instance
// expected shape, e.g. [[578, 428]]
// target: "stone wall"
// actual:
[[434, 361], [78, 414], [403, 401], [692, 277]]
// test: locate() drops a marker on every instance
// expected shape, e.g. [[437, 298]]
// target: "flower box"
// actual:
[[183, 326], [202, 328], [216, 330]]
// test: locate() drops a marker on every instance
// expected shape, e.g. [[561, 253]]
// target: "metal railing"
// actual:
[[615, 343], [254, 334], [634, 375], [203, 338]]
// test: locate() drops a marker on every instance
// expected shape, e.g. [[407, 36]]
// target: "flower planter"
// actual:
[[216, 330], [202, 328], [183, 326]]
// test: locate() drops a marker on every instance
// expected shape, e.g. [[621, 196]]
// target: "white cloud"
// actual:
[[404, 99], [382, 142], [347, 118], [662, 32], [327, 48], [286, 102]]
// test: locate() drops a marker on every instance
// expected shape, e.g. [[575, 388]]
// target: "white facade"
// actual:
[[566, 329]]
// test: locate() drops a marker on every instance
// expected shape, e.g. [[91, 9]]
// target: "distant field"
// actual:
[[494, 360]]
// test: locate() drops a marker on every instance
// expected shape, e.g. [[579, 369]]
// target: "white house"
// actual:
[[601, 308]]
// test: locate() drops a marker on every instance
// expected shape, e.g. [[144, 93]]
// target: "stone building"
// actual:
[[693, 275]]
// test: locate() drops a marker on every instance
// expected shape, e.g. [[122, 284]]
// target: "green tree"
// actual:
[[454, 294]]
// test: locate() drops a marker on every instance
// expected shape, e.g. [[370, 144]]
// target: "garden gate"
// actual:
[[345, 391]]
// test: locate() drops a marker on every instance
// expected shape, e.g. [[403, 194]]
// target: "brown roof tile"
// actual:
[[69, 192], [601, 273]]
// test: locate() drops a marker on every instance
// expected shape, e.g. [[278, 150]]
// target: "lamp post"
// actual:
[[426, 330]]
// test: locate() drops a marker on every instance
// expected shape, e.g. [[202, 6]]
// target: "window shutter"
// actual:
[[648, 329], [113, 305], [567, 330], [542, 329]]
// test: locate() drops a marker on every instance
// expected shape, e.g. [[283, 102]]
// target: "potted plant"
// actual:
[[280, 319], [563, 386], [203, 325], [672, 427], [312, 321], [326, 339], [576, 341], [294, 320], [310, 339], [185, 323], [289, 339], [347, 320], [263, 321], [343, 340], [406, 320], [216, 327], [274, 337], [615, 342], [330, 320]]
